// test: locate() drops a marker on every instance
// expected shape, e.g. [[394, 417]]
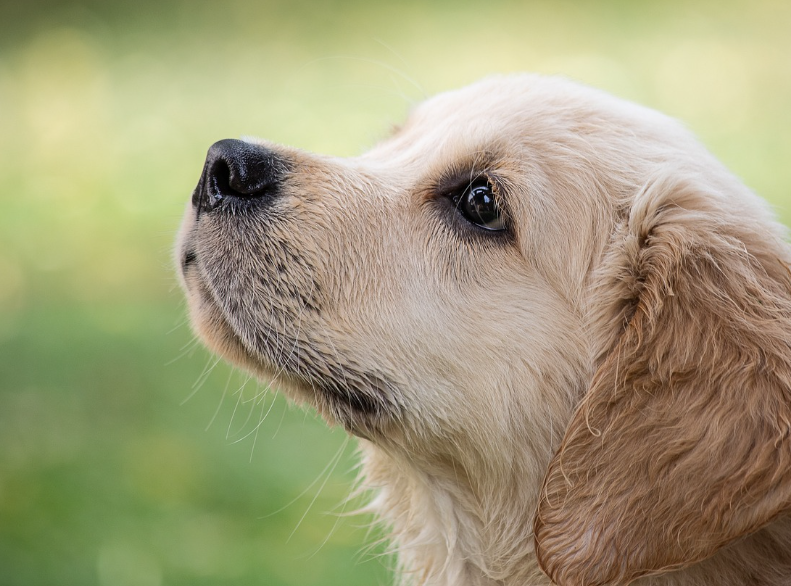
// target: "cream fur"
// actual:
[[618, 361]]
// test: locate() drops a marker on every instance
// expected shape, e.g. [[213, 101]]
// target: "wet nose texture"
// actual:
[[237, 171]]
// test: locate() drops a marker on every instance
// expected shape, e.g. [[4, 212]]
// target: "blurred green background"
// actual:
[[128, 456]]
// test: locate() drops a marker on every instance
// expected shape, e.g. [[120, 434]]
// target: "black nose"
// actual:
[[235, 170]]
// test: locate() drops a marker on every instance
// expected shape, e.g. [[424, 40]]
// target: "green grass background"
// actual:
[[128, 457]]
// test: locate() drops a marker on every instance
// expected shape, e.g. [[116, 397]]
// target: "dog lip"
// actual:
[[188, 258]]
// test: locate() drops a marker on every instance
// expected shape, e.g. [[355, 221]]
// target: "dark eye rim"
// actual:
[[436, 197], [453, 191], [459, 202]]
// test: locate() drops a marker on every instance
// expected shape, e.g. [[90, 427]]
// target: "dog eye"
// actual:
[[478, 205]]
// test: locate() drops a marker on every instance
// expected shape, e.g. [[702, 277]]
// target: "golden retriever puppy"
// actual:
[[559, 327]]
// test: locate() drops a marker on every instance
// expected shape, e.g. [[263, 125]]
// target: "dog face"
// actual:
[[365, 287], [524, 266]]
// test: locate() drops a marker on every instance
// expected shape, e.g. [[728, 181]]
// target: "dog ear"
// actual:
[[682, 442]]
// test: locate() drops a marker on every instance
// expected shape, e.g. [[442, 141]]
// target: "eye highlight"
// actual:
[[478, 205]]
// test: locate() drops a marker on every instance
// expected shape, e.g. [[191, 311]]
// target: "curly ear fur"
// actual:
[[683, 441]]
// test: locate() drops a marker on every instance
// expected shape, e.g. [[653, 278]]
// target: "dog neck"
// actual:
[[445, 531]]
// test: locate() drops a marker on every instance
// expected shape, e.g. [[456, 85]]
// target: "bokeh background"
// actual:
[[128, 455]]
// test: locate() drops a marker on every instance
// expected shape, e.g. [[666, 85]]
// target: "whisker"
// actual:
[[400, 57], [185, 350], [369, 61], [263, 417], [196, 386], [309, 486], [336, 459], [279, 425], [222, 399], [239, 392]]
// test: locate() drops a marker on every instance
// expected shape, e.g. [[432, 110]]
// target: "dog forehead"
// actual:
[[470, 118], [490, 101], [504, 113]]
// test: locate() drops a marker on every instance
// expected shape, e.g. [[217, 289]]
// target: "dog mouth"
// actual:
[[297, 362], [188, 259]]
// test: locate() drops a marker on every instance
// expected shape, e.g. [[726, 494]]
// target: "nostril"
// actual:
[[237, 169], [219, 179]]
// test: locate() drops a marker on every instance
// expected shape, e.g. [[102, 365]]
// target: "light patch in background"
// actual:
[[64, 96], [163, 468], [709, 81], [124, 564], [12, 295], [595, 70]]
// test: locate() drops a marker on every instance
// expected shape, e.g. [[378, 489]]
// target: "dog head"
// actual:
[[529, 280]]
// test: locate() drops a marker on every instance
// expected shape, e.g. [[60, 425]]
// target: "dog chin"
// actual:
[[218, 335], [360, 402]]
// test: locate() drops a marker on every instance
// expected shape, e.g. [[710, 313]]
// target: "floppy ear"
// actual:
[[682, 442]]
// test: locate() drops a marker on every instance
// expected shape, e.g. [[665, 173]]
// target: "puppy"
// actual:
[[559, 327]]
